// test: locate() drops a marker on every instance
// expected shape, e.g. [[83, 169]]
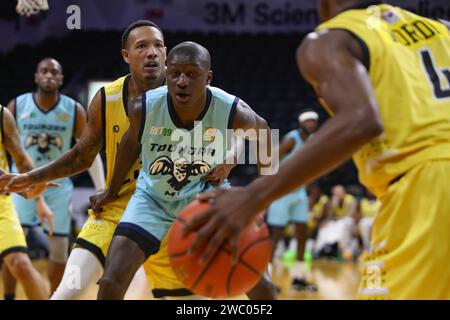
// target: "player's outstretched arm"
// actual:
[[96, 170], [249, 125], [331, 62], [77, 159], [127, 153]]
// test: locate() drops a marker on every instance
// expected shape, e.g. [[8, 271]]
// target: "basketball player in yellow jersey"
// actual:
[[13, 247], [144, 51], [395, 123]]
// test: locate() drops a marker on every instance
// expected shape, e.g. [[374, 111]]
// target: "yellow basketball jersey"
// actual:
[[116, 123], [409, 67], [369, 208], [319, 206], [345, 208]]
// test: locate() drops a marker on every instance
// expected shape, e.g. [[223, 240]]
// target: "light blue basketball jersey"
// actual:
[[45, 136], [298, 144], [174, 159]]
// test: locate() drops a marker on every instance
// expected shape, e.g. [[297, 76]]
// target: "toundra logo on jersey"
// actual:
[[180, 170], [43, 140]]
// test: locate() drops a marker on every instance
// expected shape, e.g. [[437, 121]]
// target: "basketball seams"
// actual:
[[203, 272], [243, 262], [231, 271]]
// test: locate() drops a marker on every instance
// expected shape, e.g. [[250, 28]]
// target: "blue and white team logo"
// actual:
[[180, 170]]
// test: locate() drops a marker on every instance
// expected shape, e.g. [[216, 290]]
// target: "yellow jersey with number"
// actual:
[[408, 61], [116, 123]]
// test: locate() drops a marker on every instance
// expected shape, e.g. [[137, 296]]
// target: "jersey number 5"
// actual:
[[433, 75]]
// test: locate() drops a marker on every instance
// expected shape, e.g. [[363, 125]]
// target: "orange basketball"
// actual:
[[219, 278]]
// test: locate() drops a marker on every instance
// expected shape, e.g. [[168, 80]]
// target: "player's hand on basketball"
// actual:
[[45, 214], [230, 212], [217, 175], [100, 199]]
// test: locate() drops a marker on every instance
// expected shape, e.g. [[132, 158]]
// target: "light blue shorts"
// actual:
[[292, 208], [147, 220], [57, 199]]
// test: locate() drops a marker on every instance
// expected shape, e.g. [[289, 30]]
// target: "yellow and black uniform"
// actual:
[[369, 208], [12, 238], [319, 207], [346, 208], [96, 234], [408, 60], [316, 213]]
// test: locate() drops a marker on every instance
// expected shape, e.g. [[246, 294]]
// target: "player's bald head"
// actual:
[[190, 52], [53, 62]]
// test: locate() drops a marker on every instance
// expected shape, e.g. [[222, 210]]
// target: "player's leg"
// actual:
[[9, 283], [276, 233], [136, 238], [58, 200], [163, 281], [124, 258], [86, 261], [277, 220], [300, 235], [365, 227], [25, 211], [21, 268], [264, 289], [13, 252], [299, 216], [347, 237], [139, 288], [82, 271], [58, 254], [409, 247]]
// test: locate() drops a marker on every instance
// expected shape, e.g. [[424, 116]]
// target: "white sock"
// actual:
[[298, 270], [81, 274]]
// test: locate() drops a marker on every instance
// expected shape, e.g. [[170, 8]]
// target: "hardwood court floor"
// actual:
[[335, 280]]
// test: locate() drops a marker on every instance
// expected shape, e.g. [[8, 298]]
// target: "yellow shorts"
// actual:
[[410, 246], [161, 277], [12, 238], [96, 236]]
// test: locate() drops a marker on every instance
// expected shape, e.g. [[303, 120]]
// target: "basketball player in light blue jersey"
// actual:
[[47, 122], [293, 208], [171, 175]]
